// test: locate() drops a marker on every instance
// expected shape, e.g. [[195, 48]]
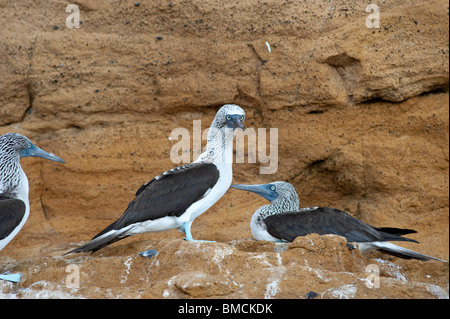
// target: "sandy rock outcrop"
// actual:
[[362, 117], [311, 267]]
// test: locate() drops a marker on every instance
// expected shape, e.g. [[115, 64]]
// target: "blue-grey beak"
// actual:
[[235, 121], [264, 190], [34, 151]]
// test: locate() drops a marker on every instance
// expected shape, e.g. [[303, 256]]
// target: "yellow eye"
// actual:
[[29, 145], [228, 117], [272, 187], [242, 118]]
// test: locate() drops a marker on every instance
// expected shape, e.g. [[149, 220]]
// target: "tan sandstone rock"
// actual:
[[362, 117]]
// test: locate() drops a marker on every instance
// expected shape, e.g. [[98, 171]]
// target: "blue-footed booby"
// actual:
[[178, 196], [283, 221], [14, 204]]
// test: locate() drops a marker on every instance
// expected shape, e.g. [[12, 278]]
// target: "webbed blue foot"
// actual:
[[148, 253], [10, 277]]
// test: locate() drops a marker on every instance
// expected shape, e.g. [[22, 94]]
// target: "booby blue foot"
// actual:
[[148, 253], [10, 277], [187, 231]]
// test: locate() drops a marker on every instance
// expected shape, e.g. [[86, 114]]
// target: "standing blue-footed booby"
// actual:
[[178, 196], [284, 221], [14, 205]]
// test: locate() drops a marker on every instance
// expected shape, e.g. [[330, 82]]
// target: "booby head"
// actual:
[[14, 145], [276, 192], [230, 116]]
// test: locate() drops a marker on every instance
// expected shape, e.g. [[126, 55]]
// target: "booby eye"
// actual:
[[29, 145], [242, 118], [228, 117], [272, 187]]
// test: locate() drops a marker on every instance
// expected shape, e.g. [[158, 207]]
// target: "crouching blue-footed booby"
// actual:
[[178, 196], [284, 221], [14, 205]]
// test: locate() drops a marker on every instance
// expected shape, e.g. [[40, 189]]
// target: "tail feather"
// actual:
[[397, 251], [99, 242], [396, 231]]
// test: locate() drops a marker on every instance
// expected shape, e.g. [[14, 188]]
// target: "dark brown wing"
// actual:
[[325, 220], [12, 212], [168, 194]]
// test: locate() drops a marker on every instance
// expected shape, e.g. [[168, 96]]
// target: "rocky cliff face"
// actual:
[[362, 117]]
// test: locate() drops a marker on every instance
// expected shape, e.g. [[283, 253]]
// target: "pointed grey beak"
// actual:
[[240, 124], [263, 190], [34, 151], [235, 121]]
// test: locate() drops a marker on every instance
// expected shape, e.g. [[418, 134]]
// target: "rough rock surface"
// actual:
[[362, 117]]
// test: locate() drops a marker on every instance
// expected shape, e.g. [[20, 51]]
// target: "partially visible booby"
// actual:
[[284, 221], [14, 204], [178, 196]]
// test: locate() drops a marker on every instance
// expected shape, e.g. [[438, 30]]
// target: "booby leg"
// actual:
[[187, 231]]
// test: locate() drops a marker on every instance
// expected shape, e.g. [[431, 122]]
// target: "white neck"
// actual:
[[23, 188], [219, 147]]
